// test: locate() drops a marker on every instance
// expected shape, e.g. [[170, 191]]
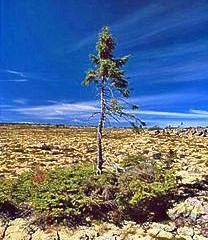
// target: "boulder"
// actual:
[[165, 235], [186, 231], [155, 155], [44, 235], [17, 230]]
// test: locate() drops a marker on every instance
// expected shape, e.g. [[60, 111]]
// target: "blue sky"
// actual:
[[44, 48]]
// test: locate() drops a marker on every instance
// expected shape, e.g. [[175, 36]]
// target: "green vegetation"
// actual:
[[76, 193]]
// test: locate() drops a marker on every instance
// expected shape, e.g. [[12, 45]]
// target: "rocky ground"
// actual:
[[24, 147]]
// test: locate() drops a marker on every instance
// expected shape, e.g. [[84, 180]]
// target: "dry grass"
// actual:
[[26, 146]]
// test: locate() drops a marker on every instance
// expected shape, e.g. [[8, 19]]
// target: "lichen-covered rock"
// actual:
[[65, 234], [197, 237], [163, 235], [192, 212], [45, 235], [3, 227], [185, 233], [17, 230], [153, 231], [161, 231], [183, 237]]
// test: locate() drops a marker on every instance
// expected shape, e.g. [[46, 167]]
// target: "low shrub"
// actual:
[[76, 193]]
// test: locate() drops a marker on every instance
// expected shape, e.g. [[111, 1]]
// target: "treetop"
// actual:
[[106, 65]]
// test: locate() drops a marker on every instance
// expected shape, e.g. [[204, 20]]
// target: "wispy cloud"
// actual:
[[13, 76], [173, 60], [83, 109], [17, 73], [5, 106], [117, 27], [8, 75], [165, 100], [173, 114], [192, 46], [14, 80], [58, 110], [167, 18], [157, 71], [204, 112], [172, 18], [80, 44], [20, 101], [180, 61]]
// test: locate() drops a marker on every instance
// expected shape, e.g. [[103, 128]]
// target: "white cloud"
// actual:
[[21, 101], [204, 112], [5, 106], [14, 76], [58, 110], [173, 114], [17, 73], [14, 80], [166, 100], [84, 109]]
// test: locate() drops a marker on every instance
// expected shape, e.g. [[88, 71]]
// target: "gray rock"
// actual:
[[156, 155]]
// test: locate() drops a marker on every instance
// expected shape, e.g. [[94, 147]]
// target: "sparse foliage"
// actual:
[[113, 88]]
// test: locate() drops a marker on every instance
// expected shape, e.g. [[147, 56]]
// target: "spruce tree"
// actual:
[[113, 88]]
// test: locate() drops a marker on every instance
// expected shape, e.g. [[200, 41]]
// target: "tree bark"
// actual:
[[100, 127]]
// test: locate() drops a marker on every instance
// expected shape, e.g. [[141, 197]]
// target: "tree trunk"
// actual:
[[100, 127]]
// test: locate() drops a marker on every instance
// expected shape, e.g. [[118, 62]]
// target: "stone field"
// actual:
[[24, 147]]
